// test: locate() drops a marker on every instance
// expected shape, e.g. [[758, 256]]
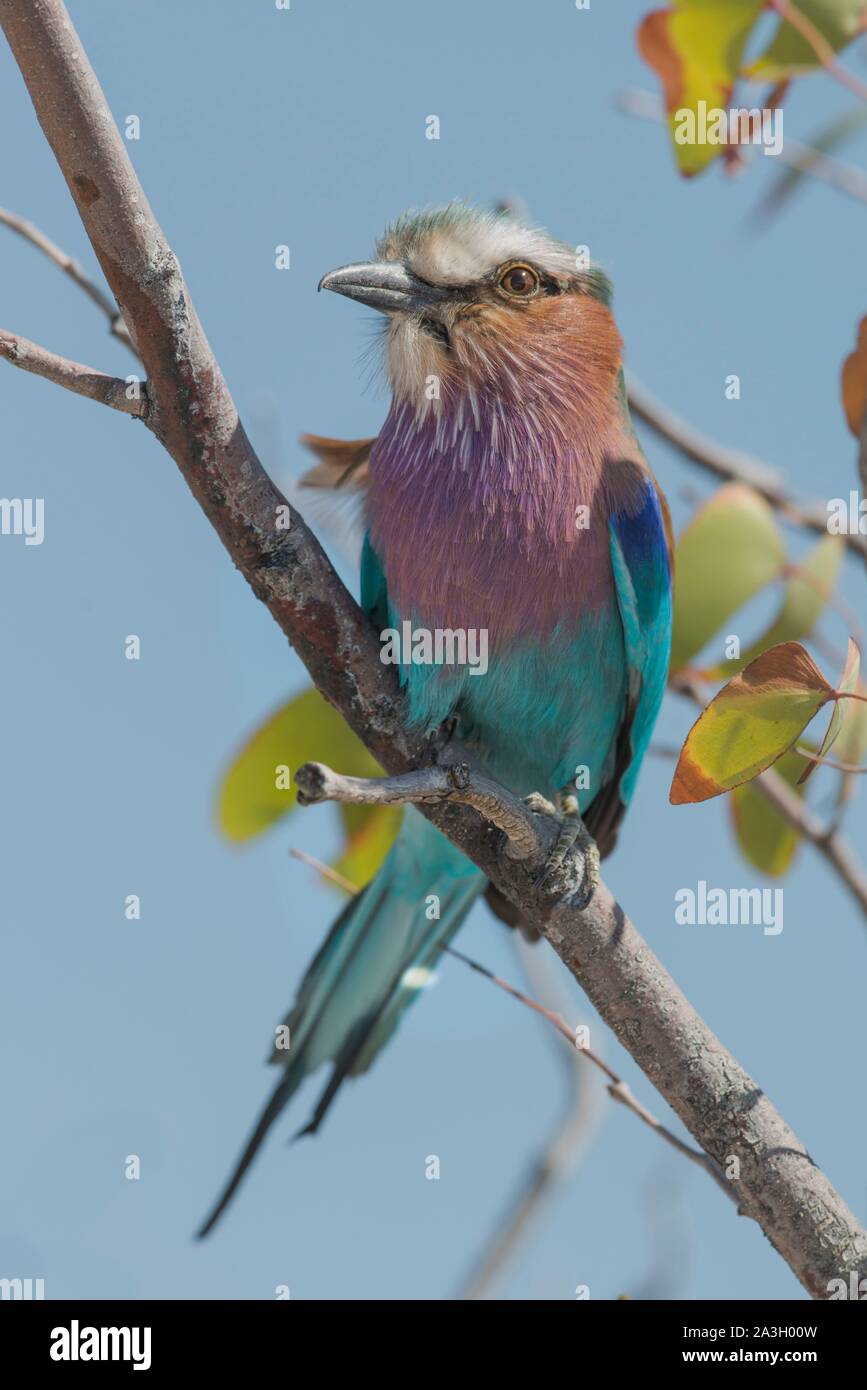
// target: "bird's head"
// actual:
[[478, 300]]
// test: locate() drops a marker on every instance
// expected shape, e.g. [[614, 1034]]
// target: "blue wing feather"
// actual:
[[642, 573]]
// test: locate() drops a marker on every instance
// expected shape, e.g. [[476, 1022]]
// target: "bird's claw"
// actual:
[[540, 804], [571, 870], [441, 738]]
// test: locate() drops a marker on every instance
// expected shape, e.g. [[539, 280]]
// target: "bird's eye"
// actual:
[[519, 280]]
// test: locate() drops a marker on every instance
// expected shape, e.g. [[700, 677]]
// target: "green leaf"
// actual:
[[808, 588], [729, 551], [696, 47], [848, 682], [765, 837], [790, 52], [307, 729], [753, 720]]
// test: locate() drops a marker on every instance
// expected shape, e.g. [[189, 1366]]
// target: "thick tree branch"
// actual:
[[193, 415], [72, 376]]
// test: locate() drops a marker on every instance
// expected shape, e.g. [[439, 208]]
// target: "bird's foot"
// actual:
[[540, 805], [440, 739], [572, 868]]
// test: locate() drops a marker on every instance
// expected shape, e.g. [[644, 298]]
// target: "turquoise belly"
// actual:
[[542, 708]]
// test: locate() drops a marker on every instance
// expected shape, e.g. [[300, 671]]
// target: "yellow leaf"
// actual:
[[307, 729], [696, 46], [750, 723], [367, 848]]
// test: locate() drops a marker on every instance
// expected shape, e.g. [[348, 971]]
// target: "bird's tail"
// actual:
[[377, 956]]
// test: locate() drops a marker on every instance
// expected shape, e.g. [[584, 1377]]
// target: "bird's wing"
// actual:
[[374, 590], [640, 547], [331, 495], [342, 462]]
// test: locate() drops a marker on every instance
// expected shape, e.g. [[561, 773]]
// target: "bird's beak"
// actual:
[[384, 285]]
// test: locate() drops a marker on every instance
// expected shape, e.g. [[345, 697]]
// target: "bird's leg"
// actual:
[[573, 843], [440, 739]]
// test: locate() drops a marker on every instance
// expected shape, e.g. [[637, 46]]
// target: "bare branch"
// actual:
[[730, 464], [339, 880], [70, 267], [826, 838], [617, 1088], [851, 769], [450, 782], [72, 376], [194, 417], [825, 168]]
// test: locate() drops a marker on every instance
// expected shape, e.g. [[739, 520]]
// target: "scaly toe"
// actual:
[[583, 896], [541, 805], [572, 868]]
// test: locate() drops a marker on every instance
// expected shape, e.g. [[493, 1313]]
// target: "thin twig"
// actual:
[[818, 164], [73, 376], [70, 267], [852, 769], [730, 464], [617, 1088], [825, 838], [333, 875]]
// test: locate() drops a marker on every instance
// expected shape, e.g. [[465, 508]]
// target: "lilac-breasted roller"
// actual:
[[507, 494]]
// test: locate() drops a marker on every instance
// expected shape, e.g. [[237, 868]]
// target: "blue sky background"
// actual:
[[261, 127]]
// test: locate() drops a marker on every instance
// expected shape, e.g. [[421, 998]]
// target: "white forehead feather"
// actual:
[[459, 245]]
